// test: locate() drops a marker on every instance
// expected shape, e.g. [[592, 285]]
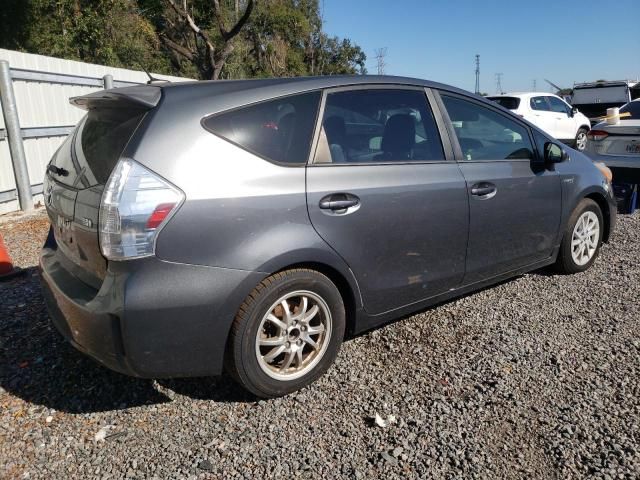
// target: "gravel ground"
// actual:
[[538, 377]]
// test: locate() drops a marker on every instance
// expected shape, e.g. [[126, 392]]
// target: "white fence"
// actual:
[[42, 87]]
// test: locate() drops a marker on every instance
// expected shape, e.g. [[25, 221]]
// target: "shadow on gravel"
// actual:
[[217, 389], [40, 367]]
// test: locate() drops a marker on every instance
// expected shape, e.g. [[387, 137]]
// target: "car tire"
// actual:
[[580, 142], [271, 350], [582, 238]]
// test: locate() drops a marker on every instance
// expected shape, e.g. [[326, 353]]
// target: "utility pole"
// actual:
[[499, 83], [477, 74], [381, 53], [534, 85]]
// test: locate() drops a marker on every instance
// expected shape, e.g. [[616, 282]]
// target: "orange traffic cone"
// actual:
[[7, 270]]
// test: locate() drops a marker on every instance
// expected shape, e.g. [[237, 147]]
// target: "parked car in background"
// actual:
[[594, 98], [550, 113], [250, 224], [616, 143]]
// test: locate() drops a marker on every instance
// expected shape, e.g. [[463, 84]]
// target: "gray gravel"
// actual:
[[538, 377]]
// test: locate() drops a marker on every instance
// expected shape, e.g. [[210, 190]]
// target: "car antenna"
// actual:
[[151, 77]]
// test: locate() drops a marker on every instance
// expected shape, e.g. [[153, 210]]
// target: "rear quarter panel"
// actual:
[[241, 212]]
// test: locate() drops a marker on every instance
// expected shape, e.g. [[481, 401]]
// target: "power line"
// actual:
[[499, 83], [477, 74], [381, 53]]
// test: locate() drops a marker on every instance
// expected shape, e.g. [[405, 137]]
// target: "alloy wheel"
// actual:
[[293, 335], [585, 237]]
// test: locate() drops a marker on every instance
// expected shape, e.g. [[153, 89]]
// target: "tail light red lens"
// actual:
[[597, 135], [159, 214]]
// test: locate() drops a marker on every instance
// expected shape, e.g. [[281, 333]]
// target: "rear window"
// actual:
[[278, 130], [91, 151], [633, 108], [512, 103]]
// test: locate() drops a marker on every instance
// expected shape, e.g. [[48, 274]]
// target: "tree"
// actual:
[[206, 39], [217, 48]]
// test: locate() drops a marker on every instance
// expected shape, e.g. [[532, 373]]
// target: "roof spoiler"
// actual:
[[143, 96]]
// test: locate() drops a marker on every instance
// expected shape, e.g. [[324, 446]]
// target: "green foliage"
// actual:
[[280, 38], [108, 32]]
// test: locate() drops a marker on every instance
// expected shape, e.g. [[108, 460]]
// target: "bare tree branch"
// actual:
[[216, 54], [185, 52], [184, 14], [229, 34]]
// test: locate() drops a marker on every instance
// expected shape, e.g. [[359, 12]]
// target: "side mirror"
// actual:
[[574, 110], [554, 154]]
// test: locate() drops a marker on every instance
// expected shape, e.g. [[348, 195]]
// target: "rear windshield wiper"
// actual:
[[58, 170]]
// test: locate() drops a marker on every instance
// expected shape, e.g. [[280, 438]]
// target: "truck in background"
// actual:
[[593, 98]]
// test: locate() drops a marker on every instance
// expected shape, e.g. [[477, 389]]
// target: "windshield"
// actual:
[[632, 108]]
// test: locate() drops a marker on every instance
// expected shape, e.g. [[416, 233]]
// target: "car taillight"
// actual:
[[135, 205], [597, 135]]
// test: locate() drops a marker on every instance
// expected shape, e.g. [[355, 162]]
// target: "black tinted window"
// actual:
[[632, 108], [539, 103], [558, 105], [91, 151], [484, 134], [279, 130], [511, 103], [364, 126]]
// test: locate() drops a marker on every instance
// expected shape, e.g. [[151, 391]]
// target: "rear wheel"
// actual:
[[582, 238], [287, 333], [581, 139]]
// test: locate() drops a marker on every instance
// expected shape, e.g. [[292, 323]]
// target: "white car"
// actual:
[[550, 113], [616, 143]]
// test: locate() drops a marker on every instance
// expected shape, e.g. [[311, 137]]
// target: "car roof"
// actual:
[[213, 96], [524, 94], [273, 87]]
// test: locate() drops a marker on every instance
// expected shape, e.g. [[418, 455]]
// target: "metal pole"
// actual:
[[12, 125], [107, 80]]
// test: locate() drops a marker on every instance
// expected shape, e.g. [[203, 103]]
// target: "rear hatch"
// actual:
[[593, 101], [78, 171]]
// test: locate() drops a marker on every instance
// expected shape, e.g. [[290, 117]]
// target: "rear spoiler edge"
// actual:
[[145, 96]]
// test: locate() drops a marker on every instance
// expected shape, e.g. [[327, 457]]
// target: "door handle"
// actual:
[[338, 201], [484, 190]]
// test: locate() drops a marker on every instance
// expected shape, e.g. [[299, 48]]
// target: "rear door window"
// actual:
[[378, 126], [278, 130], [484, 134], [539, 103], [558, 105], [91, 151]]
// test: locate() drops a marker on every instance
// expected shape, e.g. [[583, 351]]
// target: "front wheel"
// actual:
[[581, 139], [287, 333], [582, 238]]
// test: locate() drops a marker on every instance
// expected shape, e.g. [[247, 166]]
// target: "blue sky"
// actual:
[[563, 40]]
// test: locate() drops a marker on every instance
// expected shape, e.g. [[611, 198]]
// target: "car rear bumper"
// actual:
[[150, 318], [615, 161]]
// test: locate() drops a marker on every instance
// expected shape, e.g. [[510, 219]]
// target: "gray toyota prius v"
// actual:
[[251, 225]]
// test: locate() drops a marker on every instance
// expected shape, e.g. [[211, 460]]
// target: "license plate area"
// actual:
[[633, 147]]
